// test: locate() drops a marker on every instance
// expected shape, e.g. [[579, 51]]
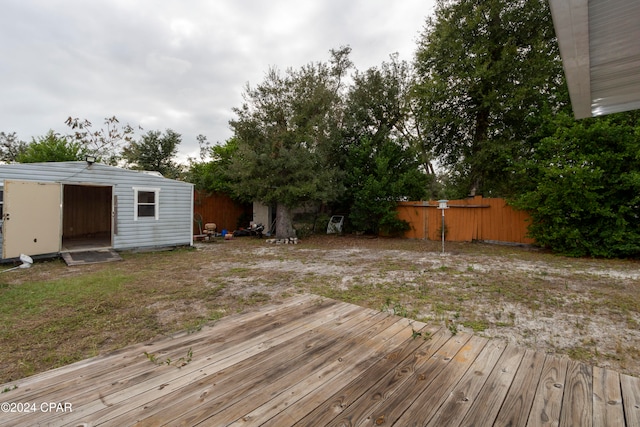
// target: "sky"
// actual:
[[180, 65]]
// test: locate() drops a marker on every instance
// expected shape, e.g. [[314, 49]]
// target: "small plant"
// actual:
[[8, 389], [425, 335], [476, 325], [152, 358], [183, 361], [397, 309], [451, 325]]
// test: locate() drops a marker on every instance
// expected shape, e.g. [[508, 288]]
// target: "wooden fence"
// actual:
[[466, 220], [219, 209]]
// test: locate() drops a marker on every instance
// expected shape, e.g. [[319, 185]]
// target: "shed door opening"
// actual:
[[31, 218], [86, 217]]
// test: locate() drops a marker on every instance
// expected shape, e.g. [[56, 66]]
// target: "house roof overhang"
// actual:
[[599, 44]]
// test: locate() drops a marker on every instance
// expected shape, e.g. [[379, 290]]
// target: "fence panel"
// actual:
[[219, 209], [415, 213], [466, 220]]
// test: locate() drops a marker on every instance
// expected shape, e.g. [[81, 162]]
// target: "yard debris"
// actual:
[[288, 241]]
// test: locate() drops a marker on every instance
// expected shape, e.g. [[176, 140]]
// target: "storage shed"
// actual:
[[49, 208]]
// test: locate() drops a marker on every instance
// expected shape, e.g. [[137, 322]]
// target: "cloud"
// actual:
[[181, 65]]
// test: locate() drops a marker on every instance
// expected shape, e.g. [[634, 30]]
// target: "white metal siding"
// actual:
[[598, 42], [614, 42]]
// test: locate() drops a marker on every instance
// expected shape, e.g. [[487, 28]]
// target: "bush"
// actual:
[[586, 199], [393, 227]]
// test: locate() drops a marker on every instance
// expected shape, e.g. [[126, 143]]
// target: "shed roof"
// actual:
[[77, 171], [599, 43]]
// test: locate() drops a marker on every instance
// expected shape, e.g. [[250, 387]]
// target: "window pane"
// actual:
[[146, 210], [146, 197]]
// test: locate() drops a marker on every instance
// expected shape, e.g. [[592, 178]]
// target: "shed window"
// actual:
[[146, 203]]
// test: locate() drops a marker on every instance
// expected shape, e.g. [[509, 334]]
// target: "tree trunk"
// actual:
[[284, 224]]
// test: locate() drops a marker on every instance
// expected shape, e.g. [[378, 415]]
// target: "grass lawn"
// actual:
[[52, 315]]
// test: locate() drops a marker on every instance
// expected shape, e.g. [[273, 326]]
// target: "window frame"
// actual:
[[155, 204]]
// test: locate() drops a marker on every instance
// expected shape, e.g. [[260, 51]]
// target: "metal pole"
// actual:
[[443, 231]]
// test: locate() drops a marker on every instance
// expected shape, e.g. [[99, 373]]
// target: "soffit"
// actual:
[[599, 43]]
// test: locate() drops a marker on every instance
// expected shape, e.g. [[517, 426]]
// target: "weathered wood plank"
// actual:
[[112, 387], [487, 404], [162, 391], [547, 403], [517, 404], [631, 399], [577, 404], [313, 361], [68, 371], [330, 401], [464, 394], [392, 393], [326, 402], [607, 398], [388, 372], [283, 395], [222, 398], [66, 378], [434, 395]]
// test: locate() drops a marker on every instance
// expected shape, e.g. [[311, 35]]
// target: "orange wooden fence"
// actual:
[[466, 220], [219, 209]]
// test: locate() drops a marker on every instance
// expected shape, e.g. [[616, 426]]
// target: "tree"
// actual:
[[10, 147], [584, 191], [51, 148], [487, 68], [154, 152], [380, 161], [105, 144], [286, 131], [212, 175]]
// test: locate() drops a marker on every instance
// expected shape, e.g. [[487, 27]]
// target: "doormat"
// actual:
[[90, 257]]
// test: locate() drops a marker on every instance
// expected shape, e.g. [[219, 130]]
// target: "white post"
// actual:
[[442, 205]]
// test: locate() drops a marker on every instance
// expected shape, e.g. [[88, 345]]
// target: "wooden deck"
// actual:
[[313, 361]]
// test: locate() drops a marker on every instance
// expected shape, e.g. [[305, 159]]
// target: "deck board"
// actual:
[[464, 394], [517, 403], [577, 405], [607, 398], [312, 361]]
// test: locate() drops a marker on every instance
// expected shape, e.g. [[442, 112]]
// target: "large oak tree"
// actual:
[[286, 130], [489, 72]]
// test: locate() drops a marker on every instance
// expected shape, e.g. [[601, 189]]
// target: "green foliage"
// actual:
[[212, 175], [584, 197], [155, 152], [8, 389], [183, 361], [286, 131], [51, 148], [486, 71], [381, 166]]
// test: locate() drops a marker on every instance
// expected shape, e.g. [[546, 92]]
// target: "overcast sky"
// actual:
[[180, 65]]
